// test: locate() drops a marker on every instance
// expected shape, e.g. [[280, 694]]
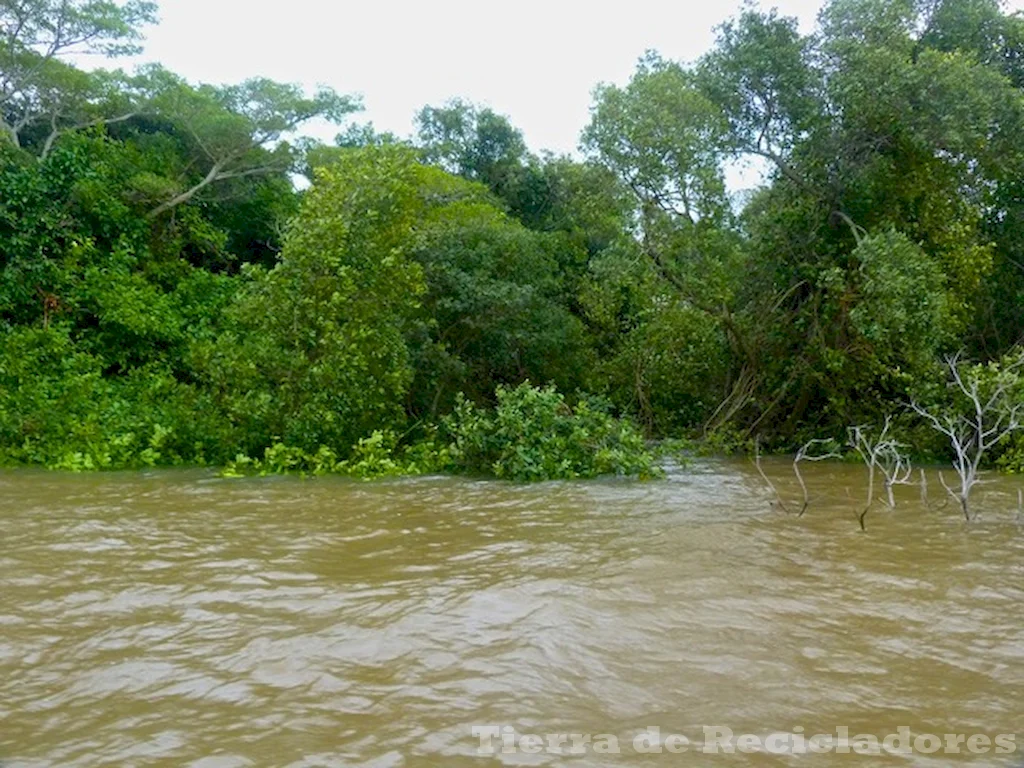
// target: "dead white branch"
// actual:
[[974, 431], [806, 453], [767, 480], [810, 451], [883, 454]]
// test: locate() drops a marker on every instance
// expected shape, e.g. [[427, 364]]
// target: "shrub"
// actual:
[[534, 434], [374, 456]]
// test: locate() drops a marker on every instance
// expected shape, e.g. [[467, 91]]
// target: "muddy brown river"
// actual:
[[180, 619]]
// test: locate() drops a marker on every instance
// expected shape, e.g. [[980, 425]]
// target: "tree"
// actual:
[[664, 138], [760, 74], [494, 309], [868, 247], [480, 145], [666, 141], [477, 144], [980, 27], [35, 35], [317, 355], [237, 131]]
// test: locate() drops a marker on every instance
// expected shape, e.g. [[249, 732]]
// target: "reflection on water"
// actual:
[[177, 619]]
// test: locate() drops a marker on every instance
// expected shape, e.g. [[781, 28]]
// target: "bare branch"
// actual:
[[767, 480], [979, 427], [804, 454], [883, 454]]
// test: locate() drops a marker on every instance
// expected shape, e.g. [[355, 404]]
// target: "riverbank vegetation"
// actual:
[[453, 302]]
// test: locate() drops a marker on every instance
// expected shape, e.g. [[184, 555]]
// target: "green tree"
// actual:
[[36, 86], [664, 138], [884, 152], [494, 309], [318, 354], [666, 141], [477, 144], [237, 131]]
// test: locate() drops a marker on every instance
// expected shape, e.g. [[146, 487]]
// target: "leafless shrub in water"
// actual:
[[806, 453], [987, 420], [882, 453], [768, 481]]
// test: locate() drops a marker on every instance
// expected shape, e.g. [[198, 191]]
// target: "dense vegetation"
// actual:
[[167, 295]]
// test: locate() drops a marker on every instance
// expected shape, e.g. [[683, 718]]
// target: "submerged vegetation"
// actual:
[[168, 297]]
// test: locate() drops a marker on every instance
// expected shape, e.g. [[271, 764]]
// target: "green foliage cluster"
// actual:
[[534, 434], [58, 409], [531, 433], [167, 296], [376, 456]]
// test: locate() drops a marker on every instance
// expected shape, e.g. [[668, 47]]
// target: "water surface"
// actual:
[[179, 619]]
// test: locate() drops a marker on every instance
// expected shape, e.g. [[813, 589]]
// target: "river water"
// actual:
[[180, 619]]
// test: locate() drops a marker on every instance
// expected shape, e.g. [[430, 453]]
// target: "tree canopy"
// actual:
[[167, 294]]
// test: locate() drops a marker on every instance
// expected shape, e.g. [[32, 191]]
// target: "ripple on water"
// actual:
[[178, 619]]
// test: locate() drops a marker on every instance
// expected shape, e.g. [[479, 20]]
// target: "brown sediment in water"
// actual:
[[174, 618]]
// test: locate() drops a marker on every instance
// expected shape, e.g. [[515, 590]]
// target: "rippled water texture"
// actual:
[[178, 619]]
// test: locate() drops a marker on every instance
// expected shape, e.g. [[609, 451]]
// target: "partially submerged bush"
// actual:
[[377, 455], [58, 410], [534, 434]]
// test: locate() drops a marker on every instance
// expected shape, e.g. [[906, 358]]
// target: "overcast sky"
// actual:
[[536, 61]]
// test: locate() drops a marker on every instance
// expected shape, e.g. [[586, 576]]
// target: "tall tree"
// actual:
[[477, 144], [36, 35], [239, 130]]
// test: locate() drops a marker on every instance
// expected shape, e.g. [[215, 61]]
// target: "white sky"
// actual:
[[536, 61]]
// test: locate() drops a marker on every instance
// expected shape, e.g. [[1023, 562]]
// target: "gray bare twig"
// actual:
[[764, 476], [804, 454], [881, 453], [972, 435]]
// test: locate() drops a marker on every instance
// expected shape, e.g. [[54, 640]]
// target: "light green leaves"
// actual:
[[664, 138], [35, 34]]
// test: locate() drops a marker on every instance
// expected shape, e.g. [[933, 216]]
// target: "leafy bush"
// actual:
[[57, 409], [378, 455], [534, 434]]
